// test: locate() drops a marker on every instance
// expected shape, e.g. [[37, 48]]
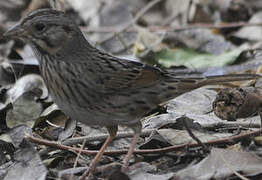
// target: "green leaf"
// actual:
[[194, 59]]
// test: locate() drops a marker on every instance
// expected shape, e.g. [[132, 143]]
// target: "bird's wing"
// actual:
[[130, 74]]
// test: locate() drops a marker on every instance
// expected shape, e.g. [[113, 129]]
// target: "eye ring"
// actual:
[[39, 27]]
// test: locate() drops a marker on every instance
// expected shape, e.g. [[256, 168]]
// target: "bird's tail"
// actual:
[[195, 82], [227, 78]]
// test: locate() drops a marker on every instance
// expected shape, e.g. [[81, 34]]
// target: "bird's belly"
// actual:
[[91, 107], [84, 115], [94, 117]]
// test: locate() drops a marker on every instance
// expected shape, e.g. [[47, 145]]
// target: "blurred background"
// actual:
[[186, 37], [166, 33]]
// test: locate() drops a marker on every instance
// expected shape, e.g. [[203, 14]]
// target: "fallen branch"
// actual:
[[161, 29], [227, 140]]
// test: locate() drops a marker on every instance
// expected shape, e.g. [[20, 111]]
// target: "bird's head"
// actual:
[[46, 29]]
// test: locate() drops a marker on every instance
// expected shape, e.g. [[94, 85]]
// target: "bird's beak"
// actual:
[[15, 32]]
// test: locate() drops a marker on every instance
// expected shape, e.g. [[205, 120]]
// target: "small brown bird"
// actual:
[[94, 87]]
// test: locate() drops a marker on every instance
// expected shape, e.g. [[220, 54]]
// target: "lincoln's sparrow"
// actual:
[[94, 87]]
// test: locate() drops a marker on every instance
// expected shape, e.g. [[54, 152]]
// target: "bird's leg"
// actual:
[[112, 134], [137, 128]]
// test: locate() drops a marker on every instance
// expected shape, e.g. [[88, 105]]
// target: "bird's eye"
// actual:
[[39, 27]]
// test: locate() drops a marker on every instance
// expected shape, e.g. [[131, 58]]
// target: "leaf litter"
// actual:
[[24, 95]]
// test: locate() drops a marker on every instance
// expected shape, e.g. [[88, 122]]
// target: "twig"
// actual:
[[77, 158], [121, 50], [122, 41], [191, 134], [150, 48], [230, 167], [79, 140], [225, 140], [103, 137], [161, 29], [133, 21]]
